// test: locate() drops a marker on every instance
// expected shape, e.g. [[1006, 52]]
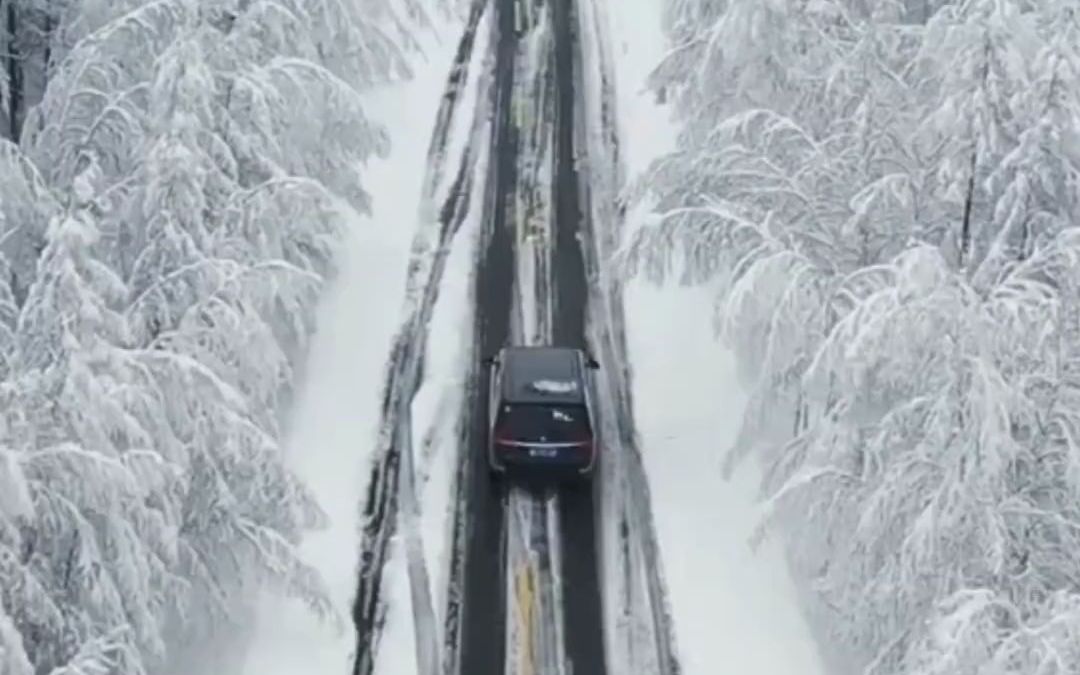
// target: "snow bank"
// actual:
[[436, 418], [336, 414], [436, 409], [734, 608], [637, 43]]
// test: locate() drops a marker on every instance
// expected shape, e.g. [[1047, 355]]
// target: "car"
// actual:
[[541, 420]]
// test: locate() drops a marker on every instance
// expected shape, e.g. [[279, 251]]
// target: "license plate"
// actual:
[[546, 453]]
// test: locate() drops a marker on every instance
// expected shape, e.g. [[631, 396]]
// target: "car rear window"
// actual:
[[529, 423]]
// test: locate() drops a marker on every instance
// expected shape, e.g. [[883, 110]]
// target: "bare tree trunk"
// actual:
[[49, 25], [14, 71], [965, 225], [965, 255]]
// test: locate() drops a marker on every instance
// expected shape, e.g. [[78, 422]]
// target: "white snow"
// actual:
[[435, 437], [637, 45], [553, 386], [336, 414], [560, 415], [437, 408], [435, 419], [735, 609]]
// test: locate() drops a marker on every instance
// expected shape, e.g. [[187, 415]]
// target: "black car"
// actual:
[[541, 413]]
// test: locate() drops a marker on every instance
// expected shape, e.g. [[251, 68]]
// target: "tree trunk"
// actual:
[[965, 225], [14, 72], [48, 46]]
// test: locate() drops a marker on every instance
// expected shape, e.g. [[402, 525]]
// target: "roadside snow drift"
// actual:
[[735, 609], [336, 414]]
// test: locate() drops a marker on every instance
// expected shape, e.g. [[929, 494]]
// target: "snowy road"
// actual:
[[544, 615], [391, 489], [517, 221], [529, 580], [524, 591], [569, 582]]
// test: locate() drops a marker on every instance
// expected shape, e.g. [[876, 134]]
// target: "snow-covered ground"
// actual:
[[735, 609], [435, 437], [334, 422], [637, 45]]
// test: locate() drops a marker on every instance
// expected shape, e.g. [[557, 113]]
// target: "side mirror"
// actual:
[[489, 361], [592, 363]]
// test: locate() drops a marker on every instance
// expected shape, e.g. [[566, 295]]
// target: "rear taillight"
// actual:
[[589, 443]]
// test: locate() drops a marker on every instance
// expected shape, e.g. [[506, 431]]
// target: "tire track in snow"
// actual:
[[387, 485]]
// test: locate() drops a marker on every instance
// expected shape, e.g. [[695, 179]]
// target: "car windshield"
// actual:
[[543, 424]]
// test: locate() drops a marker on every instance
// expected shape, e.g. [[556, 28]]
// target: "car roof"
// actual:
[[534, 375]]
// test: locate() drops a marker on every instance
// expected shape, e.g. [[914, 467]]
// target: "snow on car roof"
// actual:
[[553, 386], [542, 375]]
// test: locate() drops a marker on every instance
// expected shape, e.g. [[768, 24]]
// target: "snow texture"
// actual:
[[169, 212], [553, 386], [561, 416], [534, 635], [391, 490], [732, 607], [732, 604], [639, 631]]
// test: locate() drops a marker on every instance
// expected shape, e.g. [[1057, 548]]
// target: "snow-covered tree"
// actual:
[[12, 655], [892, 220], [165, 231], [979, 53], [101, 540]]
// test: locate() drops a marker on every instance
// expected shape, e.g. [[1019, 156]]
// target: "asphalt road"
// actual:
[[482, 646], [482, 649], [475, 618], [582, 609], [406, 364]]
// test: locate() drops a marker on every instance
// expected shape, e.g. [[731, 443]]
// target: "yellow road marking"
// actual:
[[525, 589]]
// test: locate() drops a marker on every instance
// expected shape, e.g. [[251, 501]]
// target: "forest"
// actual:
[[880, 193], [174, 176], [883, 195]]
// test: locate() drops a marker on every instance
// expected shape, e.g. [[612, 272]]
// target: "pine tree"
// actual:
[[164, 239], [892, 232]]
